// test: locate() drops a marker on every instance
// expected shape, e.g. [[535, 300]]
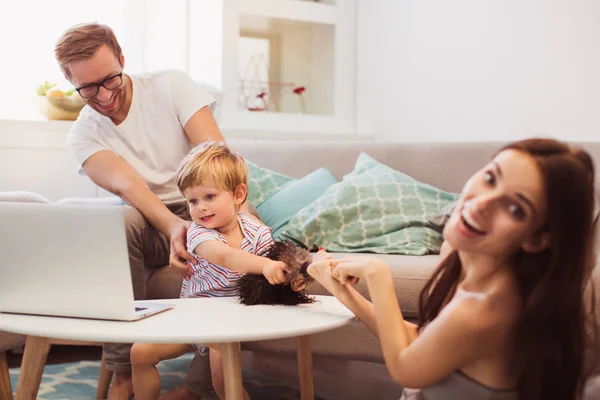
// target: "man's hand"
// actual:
[[178, 254], [273, 271]]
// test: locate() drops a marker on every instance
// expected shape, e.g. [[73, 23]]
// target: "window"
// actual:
[[293, 59], [29, 30]]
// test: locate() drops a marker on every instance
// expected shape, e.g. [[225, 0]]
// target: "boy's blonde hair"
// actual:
[[216, 161]]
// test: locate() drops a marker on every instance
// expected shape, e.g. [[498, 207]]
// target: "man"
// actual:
[[129, 140]]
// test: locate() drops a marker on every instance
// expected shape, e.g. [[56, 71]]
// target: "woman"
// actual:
[[503, 316]]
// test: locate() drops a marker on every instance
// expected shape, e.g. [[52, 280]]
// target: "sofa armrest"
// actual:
[[22, 197], [107, 201]]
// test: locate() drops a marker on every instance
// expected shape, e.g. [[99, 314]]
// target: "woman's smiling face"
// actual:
[[501, 208]]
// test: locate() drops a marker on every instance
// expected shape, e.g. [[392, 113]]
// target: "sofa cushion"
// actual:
[[263, 182], [277, 210], [23, 197], [443, 215], [374, 209], [350, 341]]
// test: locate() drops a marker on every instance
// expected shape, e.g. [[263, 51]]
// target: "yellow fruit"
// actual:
[[55, 93]]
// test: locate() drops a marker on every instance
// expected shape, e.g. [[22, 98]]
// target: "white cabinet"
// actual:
[[283, 65]]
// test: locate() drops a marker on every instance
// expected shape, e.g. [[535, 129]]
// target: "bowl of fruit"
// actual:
[[55, 104]]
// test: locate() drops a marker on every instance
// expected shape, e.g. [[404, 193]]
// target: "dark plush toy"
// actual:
[[255, 289]]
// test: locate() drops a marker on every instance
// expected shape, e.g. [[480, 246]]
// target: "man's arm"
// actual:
[[114, 174], [202, 127]]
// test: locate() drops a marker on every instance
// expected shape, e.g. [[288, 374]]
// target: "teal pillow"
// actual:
[[280, 207], [263, 182], [373, 209]]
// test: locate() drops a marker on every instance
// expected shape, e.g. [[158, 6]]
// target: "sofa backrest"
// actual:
[[444, 165]]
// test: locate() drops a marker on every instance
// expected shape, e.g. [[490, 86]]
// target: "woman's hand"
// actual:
[[322, 254], [350, 269], [320, 270]]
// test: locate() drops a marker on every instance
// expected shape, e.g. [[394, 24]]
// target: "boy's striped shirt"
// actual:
[[211, 280]]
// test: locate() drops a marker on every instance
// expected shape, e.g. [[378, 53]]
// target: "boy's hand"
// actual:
[[273, 271]]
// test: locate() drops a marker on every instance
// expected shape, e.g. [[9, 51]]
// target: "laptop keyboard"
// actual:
[[140, 309]]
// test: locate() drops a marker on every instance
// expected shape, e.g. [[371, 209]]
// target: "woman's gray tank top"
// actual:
[[459, 386]]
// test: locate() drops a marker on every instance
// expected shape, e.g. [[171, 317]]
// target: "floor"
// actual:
[[333, 378], [61, 354]]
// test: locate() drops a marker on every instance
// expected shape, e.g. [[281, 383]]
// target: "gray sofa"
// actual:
[[444, 165]]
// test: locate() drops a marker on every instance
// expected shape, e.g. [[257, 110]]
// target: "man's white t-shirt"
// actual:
[[151, 139]]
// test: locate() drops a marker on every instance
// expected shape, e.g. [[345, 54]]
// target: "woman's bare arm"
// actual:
[[320, 270], [464, 331]]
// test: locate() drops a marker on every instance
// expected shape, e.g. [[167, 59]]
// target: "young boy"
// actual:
[[225, 243]]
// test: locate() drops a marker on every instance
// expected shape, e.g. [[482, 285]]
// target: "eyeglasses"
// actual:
[[110, 83]]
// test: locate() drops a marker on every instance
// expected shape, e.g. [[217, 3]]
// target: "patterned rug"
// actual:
[[77, 381]]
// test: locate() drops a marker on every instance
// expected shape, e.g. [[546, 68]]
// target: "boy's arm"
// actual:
[[219, 253]]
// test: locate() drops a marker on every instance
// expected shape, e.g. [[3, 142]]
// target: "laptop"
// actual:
[[68, 261]]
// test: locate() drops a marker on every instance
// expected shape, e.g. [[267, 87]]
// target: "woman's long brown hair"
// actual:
[[554, 327]]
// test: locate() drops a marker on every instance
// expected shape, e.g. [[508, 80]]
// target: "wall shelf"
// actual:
[[296, 10], [269, 49]]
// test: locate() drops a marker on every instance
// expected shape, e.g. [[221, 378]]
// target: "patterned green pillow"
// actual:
[[263, 182], [373, 209]]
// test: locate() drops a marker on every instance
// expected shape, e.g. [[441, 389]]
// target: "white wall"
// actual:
[[470, 69], [34, 157]]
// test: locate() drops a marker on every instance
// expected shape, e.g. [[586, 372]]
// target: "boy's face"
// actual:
[[212, 207]]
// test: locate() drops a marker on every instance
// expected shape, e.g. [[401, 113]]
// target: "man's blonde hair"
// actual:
[[80, 42], [212, 161]]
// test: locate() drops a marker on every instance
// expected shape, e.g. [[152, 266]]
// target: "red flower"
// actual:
[[299, 90]]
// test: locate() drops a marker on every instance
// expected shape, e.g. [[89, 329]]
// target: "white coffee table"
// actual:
[[221, 321]]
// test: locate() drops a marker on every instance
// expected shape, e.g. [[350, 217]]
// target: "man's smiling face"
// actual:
[[94, 70]]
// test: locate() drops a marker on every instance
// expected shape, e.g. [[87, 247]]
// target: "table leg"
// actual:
[[103, 380], [232, 370], [5, 387], [32, 367], [305, 368]]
